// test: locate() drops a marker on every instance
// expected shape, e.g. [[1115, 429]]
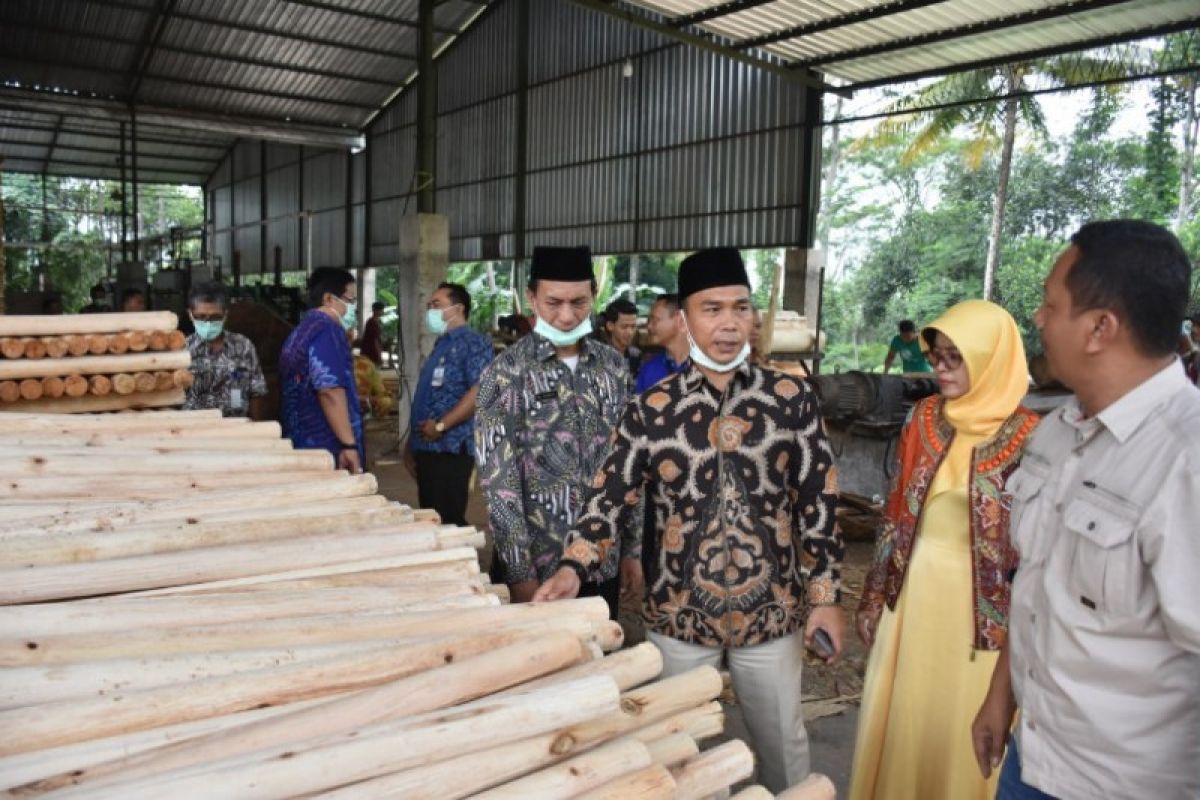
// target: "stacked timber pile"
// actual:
[[190, 608], [92, 362]]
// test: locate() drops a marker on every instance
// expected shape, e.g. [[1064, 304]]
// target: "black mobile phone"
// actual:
[[822, 643]]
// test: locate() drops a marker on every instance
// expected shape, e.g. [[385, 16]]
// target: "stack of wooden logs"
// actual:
[[92, 362], [191, 608]]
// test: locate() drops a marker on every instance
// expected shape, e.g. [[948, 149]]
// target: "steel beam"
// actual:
[[94, 134], [849, 18], [714, 12], [338, 8], [960, 31], [154, 32], [664, 29], [521, 54], [236, 126], [54, 141], [55, 146]]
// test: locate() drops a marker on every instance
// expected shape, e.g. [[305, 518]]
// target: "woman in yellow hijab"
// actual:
[[934, 609]]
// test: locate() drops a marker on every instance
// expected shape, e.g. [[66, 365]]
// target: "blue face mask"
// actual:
[[701, 358], [563, 338], [350, 318], [435, 322], [208, 331]]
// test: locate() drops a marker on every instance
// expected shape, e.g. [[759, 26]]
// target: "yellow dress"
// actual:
[[924, 682]]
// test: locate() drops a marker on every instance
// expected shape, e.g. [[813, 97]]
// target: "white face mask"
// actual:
[[701, 358], [563, 338]]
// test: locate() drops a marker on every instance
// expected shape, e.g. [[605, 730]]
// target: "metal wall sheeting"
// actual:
[[694, 150]]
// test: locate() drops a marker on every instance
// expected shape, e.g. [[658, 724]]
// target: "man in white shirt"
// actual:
[[1103, 655]]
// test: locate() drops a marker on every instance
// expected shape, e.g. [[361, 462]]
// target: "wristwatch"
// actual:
[[440, 427]]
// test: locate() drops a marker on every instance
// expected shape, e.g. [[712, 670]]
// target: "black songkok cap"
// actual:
[[561, 264], [707, 269]]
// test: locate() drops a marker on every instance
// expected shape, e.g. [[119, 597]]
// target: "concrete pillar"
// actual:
[[802, 281], [424, 259]]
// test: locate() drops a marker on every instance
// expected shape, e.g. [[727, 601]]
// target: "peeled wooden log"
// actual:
[[47, 548], [435, 676], [31, 389], [418, 574], [207, 422], [12, 347], [699, 723], [158, 340], [629, 668], [654, 702], [754, 793], [56, 487], [37, 727], [86, 462], [123, 383], [95, 364], [386, 747], [61, 581], [60, 324], [34, 348], [651, 783], [117, 442], [176, 340], [118, 343], [139, 341], [712, 770], [144, 382], [99, 385], [182, 378], [673, 749], [10, 391], [77, 344], [579, 774], [814, 787], [97, 344], [75, 386], [90, 404], [53, 387], [56, 346], [163, 380], [578, 617]]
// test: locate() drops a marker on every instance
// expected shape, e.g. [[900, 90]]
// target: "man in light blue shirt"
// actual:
[[666, 331]]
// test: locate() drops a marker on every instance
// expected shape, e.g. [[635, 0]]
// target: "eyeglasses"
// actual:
[[951, 358]]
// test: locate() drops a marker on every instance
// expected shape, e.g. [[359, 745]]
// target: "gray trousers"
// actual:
[[766, 678]]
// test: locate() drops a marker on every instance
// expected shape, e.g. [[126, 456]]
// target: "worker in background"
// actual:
[[370, 344], [1191, 359], [907, 345], [133, 300], [440, 452], [665, 327], [1103, 650], [320, 407], [52, 306], [735, 462], [100, 302], [620, 330], [225, 369], [548, 406]]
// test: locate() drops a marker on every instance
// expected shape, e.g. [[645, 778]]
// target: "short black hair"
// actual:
[[1140, 271], [327, 280], [618, 307], [378, 305], [669, 299], [211, 292], [458, 294], [907, 326]]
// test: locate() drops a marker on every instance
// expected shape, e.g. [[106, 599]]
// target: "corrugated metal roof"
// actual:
[[869, 42]]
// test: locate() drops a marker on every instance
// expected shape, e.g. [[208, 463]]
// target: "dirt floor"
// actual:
[[831, 693]]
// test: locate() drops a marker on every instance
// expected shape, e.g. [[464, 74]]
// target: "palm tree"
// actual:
[[933, 113]]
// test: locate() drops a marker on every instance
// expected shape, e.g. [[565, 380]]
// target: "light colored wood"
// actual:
[[182, 378], [10, 391], [75, 385], [31, 389], [139, 341], [97, 344], [94, 365], [712, 770], [815, 787], [629, 668], [467, 670], [296, 769], [158, 340], [99, 385], [53, 387], [577, 617], [128, 443], [398, 576], [163, 380], [77, 344], [34, 348], [123, 383], [575, 775], [144, 382], [56, 487], [59, 324], [651, 783], [56, 346], [654, 702], [176, 340], [38, 548], [118, 343], [12, 347], [88, 462], [754, 793], [61, 581], [673, 749], [700, 723], [89, 404]]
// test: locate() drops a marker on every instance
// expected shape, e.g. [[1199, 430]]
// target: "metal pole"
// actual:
[[124, 208], [522, 133], [262, 209], [300, 211], [426, 112], [133, 151]]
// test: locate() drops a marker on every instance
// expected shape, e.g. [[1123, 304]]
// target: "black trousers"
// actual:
[[443, 480]]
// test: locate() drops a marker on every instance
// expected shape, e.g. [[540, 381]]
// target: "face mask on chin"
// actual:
[[702, 359], [563, 338]]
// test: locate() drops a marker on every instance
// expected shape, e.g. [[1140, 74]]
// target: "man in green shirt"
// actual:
[[908, 346]]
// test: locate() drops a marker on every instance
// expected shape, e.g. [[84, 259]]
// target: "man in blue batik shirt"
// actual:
[[665, 327], [441, 445]]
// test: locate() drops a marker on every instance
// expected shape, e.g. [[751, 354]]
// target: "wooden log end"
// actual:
[[139, 341], [12, 348], [35, 348], [77, 345], [31, 389], [163, 380], [118, 344], [56, 346], [99, 385], [182, 378], [176, 340], [53, 386], [10, 391], [75, 386], [97, 344], [158, 340], [145, 382], [123, 383]]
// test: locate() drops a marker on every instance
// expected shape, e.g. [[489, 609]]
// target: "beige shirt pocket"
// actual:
[[1105, 574], [1026, 491]]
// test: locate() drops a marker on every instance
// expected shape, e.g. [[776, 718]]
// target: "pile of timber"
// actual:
[[92, 362], [191, 608]]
